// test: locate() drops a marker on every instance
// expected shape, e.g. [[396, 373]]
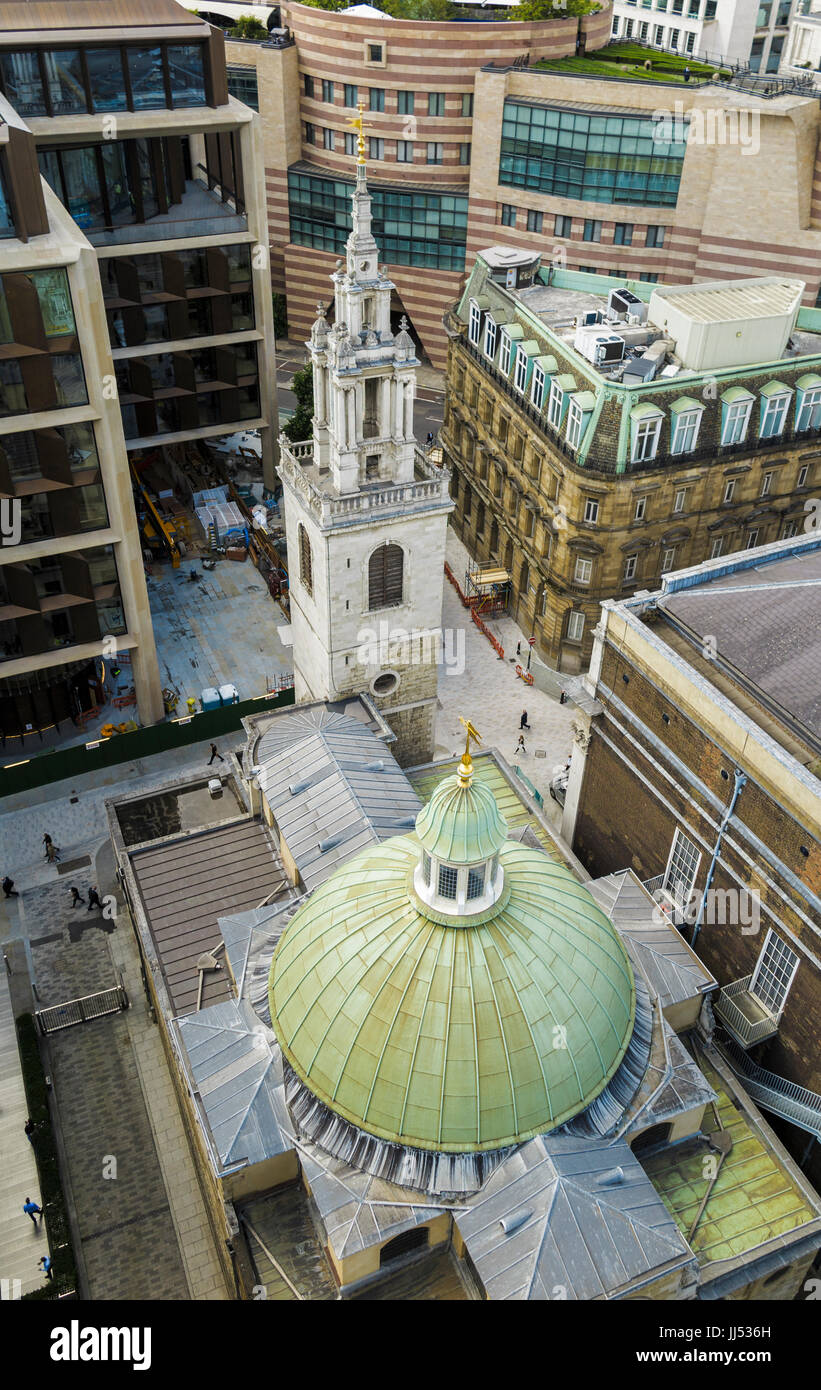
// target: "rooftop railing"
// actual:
[[744, 1029], [433, 487]]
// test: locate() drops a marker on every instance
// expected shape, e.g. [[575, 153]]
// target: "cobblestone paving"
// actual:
[[129, 1243]]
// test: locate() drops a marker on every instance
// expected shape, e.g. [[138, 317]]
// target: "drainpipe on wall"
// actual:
[[740, 781]]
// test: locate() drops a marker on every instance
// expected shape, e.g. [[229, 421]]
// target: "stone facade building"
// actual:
[[365, 512], [470, 134], [594, 448], [705, 731]]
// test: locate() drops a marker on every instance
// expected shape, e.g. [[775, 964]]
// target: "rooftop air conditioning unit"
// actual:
[[609, 350], [637, 315], [589, 316], [622, 302]]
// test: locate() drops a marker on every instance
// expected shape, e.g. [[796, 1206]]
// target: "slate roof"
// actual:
[[185, 882], [333, 788], [766, 622]]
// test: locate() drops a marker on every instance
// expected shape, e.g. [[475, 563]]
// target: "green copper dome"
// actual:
[[459, 1035], [461, 823]]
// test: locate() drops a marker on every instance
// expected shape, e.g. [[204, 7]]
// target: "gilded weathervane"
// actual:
[[466, 766], [358, 124]]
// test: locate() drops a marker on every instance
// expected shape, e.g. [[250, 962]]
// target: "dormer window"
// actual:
[[491, 334], [505, 346], [474, 323]]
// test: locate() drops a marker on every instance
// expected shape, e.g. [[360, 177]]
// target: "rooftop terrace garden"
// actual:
[[632, 62]]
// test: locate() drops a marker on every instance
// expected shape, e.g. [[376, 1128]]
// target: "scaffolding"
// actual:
[[487, 590]]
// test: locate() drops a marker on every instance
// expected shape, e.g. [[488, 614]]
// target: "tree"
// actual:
[[549, 9], [300, 425], [247, 27]]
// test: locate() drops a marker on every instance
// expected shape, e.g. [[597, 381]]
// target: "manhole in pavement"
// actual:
[[540, 753], [71, 864]]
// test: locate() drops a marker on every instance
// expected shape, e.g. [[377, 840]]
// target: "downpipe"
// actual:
[[740, 781]]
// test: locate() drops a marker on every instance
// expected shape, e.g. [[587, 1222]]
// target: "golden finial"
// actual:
[[465, 768], [358, 124]]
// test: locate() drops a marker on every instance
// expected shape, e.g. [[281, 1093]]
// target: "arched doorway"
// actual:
[[403, 1244]]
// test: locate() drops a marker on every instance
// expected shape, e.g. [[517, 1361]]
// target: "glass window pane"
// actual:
[[147, 85], [55, 302], [186, 73], [105, 75], [84, 197], [21, 79], [120, 201], [64, 78]]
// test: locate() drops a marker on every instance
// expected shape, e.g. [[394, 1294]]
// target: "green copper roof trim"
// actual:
[[808, 380], [450, 919], [445, 1039], [685, 403], [647, 410], [775, 388], [736, 393], [462, 825]]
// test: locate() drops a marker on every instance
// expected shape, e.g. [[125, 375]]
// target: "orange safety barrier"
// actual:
[[524, 675], [494, 642], [122, 700], [457, 586], [87, 714]]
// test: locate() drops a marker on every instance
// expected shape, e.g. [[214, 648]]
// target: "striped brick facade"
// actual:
[[733, 217]]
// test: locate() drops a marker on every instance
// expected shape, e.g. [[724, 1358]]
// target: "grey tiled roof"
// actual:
[[586, 1222], [673, 970], [766, 622], [236, 1072], [331, 782]]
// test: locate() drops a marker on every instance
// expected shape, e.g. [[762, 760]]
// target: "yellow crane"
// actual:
[[164, 528]]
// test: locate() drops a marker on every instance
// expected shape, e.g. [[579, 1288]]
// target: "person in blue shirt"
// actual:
[[31, 1209], [45, 1261]]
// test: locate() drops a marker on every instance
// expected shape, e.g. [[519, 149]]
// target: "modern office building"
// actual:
[[471, 131], [705, 724], [802, 51], [160, 168], [158, 308], [747, 32], [602, 434], [72, 587]]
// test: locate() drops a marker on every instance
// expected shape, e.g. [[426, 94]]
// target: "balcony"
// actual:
[[430, 490], [743, 1015], [200, 212]]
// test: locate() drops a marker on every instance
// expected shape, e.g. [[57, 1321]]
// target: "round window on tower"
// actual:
[[363, 266], [385, 683]]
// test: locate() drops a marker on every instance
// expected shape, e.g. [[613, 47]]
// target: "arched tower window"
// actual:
[[385, 577], [306, 571]]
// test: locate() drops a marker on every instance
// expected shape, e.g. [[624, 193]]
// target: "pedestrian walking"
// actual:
[[687, 74], [46, 843], [518, 649], [30, 1128], [9, 888], [31, 1209], [215, 753], [563, 698], [76, 897], [523, 724], [51, 853], [94, 900], [429, 440], [45, 1261], [520, 746]]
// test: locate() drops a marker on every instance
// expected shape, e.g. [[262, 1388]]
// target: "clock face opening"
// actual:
[[363, 266]]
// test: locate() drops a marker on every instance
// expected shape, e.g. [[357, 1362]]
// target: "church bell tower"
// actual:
[[365, 512]]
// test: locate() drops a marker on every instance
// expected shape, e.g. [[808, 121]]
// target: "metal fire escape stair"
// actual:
[[773, 1092]]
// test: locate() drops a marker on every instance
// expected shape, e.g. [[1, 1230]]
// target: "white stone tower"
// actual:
[[365, 513]]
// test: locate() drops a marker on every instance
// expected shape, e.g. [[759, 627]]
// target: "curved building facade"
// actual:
[[416, 81]]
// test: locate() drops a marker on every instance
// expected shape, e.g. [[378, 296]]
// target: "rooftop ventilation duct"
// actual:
[[612, 1178], [509, 1224], [378, 766]]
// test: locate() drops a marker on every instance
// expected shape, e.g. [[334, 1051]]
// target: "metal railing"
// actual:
[[90, 1006], [653, 884], [773, 1092], [743, 1029]]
